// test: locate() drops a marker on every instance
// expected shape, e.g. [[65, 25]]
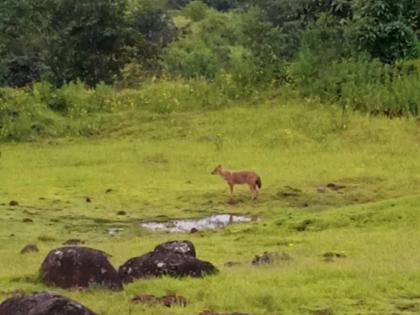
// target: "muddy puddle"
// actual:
[[190, 225]]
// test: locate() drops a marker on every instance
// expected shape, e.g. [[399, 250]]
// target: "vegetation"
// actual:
[[357, 54], [374, 219], [132, 103]]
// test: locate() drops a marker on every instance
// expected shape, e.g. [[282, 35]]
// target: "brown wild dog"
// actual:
[[239, 177]]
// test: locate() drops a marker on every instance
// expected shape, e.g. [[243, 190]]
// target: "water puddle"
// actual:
[[189, 225]]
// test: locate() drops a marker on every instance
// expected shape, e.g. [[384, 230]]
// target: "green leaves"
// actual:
[[384, 28]]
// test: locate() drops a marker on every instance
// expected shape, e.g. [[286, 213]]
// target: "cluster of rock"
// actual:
[[74, 266], [81, 267]]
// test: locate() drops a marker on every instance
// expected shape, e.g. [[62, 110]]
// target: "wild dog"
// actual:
[[233, 178]]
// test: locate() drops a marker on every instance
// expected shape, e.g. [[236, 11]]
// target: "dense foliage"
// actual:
[[361, 54]]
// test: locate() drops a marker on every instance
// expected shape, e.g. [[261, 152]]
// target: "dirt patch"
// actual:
[[169, 300], [270, 258], [232, 264], [289, 191], [409, 307], [323, 312], [303, 226]]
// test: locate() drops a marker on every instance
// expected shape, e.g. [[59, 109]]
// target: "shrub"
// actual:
[[196, 10], [22, 116]]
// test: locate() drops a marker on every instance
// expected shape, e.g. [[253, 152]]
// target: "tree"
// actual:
[[386, 28], [205, 49], [24, 41], [222, 5], [152, 30], [90, 40]]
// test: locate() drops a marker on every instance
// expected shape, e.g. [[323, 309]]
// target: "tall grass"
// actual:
[[369, 86], [76, 109]]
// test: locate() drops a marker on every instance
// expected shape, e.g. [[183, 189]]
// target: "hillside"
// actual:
[[340, 196]]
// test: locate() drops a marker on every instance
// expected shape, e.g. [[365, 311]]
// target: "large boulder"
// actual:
[[175, 259], [42, 303], [180, 247], [76, 266]]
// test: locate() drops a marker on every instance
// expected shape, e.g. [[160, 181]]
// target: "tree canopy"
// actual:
[[94, 40]]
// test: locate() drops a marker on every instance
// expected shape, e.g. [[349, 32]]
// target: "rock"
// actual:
[[334, 255], [175, 259], [76, 266], [232, 264], [290, 192], [180, 247], [269, 258], [155, 264], [30, 248], [114, 231], [13, 203], [194, 230], [329, 256], [42, 303], [73, 242], [121, 212], [27, 220], [166, 300], [335, 187]]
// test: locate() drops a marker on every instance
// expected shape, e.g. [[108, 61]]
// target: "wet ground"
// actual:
[[190, 225]]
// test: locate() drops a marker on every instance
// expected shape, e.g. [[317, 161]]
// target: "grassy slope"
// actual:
[[158, 166]]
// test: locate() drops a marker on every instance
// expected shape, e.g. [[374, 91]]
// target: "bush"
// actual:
[[22, 116], [166, 96], [361, 84], [196, 10]]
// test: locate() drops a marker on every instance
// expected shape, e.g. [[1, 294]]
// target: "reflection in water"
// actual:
[[207, 223]]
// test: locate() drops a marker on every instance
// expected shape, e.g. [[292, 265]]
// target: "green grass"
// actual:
[[158, 166]]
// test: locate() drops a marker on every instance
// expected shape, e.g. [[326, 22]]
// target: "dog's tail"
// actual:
[[258, 182]]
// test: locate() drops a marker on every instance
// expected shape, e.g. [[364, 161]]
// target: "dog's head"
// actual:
[[217, 170]]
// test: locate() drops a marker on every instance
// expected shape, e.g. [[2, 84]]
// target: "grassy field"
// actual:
[[158, 166]]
